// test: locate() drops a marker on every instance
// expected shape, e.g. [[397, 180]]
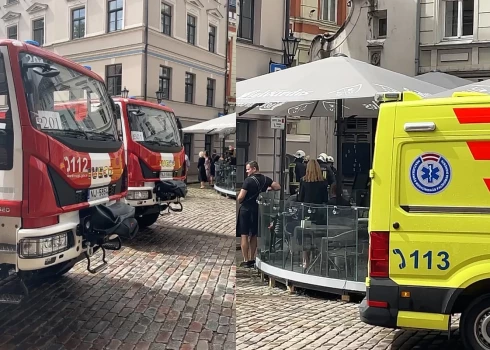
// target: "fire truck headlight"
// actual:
[[39, 247], [138, 195]]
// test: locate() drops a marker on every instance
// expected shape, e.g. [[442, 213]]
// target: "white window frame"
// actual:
[[322, 3], [196, 34], [460, 35], [214, 23]]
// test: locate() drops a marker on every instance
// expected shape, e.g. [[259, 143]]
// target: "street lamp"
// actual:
[[290, 47], [125, 93], [160, 95]]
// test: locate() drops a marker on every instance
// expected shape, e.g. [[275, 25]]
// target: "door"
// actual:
[[440, 210], [11, 157]]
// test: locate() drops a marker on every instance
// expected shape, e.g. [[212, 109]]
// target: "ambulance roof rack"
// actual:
[[32, 42]]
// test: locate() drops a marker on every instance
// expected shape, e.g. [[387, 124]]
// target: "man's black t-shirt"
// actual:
[[254, 185]]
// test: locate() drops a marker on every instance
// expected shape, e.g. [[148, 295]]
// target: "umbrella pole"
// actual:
[[282, 166], [339, 119]]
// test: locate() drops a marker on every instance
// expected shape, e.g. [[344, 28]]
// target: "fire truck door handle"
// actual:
[[419, 126]]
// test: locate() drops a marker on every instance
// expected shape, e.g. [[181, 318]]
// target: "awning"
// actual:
[[225, 124], [311, 89], [444, 80], [481, 87]]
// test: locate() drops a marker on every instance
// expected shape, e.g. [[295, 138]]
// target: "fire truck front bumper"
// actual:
[[44, 247]]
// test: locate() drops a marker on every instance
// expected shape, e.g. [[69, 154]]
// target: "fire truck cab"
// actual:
[[155, 157], [62, 180]]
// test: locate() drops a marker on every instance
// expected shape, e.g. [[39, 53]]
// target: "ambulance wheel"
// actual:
[[147, 220], [474, 325]]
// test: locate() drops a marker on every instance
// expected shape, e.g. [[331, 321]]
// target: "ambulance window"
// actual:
[[6, 130]]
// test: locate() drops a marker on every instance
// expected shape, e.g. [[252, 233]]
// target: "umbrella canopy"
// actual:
[[311, 89], [444, 80], [224, 124], [481, 86]]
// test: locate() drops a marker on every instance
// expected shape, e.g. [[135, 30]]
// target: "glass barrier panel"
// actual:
[[225, 175], [320, 240]]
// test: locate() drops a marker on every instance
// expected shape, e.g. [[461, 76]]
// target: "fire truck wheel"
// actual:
[[474, 325], [147, 220]]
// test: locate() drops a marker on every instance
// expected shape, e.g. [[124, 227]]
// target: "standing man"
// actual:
[[297, 170], [247, 225], [330, 162], [327, 170]]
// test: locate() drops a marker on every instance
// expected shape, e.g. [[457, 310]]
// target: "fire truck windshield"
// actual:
[[153, 127], [65, 102]]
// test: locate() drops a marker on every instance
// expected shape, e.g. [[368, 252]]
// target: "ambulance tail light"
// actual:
[[379, 254]]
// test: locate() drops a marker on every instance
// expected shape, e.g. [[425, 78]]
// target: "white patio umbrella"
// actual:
[[225, 125], [311, 89], [444, 80], [481, 86]]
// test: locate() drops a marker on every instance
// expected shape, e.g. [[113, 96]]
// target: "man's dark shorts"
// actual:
[[247, 222]]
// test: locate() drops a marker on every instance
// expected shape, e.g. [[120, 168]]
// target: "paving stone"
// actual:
[[157, 292], [271, 318]]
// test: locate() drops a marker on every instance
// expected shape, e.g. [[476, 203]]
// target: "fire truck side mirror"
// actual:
[[179, 125], [119, 122]]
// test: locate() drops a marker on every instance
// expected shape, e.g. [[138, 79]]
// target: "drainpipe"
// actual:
[[417, 39], [145, 58], [284, 133], [227, 48]]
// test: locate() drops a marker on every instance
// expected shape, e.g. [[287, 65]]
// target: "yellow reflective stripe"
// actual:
[[422, 320]]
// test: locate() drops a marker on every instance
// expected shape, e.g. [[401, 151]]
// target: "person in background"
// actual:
[[313, 189], [247, 225], [326, 169], [330, 162], [202, 170], [214, 158], [207, 167], [297, 171], [333, 198], [187, 167]]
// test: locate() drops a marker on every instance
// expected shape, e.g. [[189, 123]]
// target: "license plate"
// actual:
[[98, 193], [165, 175]]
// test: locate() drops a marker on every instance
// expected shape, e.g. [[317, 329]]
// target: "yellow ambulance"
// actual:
[[429, 222]]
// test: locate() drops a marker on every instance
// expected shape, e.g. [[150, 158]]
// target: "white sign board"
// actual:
[[278, 123]]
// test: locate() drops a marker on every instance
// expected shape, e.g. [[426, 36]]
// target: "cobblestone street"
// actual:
[[271, 318], [172, 287]]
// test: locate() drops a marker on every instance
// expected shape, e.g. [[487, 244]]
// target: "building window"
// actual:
[[191, 29], [12, 32], [38, 31], [246, 21], [166, 19], [188, 145], [78, 23], [208, 143], [380, 22], [212, 38], [459, 18], [115, 15], [164, 81], [113, 79], [329, 10], [210, 92], [189, 87]]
